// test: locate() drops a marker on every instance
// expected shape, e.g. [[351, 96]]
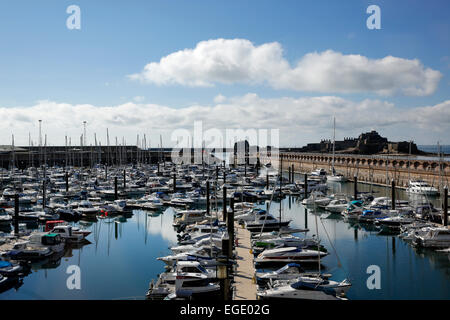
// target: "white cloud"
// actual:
[[300, 120], [229, 61], [219, 98], [139, 98]]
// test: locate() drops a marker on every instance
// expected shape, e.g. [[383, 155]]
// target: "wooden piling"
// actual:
[[446, 206], [16, 215]]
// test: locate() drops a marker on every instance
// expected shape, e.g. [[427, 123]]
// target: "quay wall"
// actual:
[[371, 169]]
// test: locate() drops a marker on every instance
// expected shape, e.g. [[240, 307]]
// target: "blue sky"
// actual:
[[40, 59]]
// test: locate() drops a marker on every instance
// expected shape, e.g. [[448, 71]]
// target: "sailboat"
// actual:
[[335, 177]]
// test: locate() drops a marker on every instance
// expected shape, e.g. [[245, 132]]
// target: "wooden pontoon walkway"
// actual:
[[245, 289]]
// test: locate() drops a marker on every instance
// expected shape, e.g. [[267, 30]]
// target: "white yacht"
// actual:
[[307, 288], [421, 187], [433, 238]]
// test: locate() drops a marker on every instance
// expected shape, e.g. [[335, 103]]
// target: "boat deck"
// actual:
[[243, 278]]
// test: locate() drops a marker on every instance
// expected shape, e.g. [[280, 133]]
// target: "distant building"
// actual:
[[367, 143]]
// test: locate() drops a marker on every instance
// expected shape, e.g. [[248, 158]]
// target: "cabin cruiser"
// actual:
[[69, 234], [436, 237], [394, 222], [85, 208], [265, 223], [211, 241], [354, 209], [421, 187], [53, 241], [336, 177], [24, 250], [319, 173], [250, 215], [12, 269], [183, 267], [337, 205], [286, 241], [188, 217], [316, 196], [202, 256], [5, 217], [290, 271], [370, 216], [306, 288], [289, 254], [187, 285]]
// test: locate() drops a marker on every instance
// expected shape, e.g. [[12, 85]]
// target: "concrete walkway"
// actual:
[[243, 278]]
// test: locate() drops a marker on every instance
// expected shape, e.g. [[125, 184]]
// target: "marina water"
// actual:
[[121, 260]]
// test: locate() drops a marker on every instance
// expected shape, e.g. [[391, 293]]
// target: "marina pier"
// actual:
[[245, 287]]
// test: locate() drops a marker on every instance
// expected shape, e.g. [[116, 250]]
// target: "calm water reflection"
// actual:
[[121, 258], [406, 272], [118, 264]]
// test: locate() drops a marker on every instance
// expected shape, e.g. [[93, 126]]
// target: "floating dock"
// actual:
[[245, 287]]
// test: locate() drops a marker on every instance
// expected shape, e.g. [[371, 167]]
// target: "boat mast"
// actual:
[[409, 163], [440, 177], [334, 145]]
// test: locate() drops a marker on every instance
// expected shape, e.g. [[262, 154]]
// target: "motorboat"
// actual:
[[421, 187], [186, 267], [315, 197], [306, 288], [85, 208], [437, 237], [12, 269], [354, 209], [337, 205], [394, 222], [290, 254], [370, 216], [5, 217], [188, 217], [53, 241], [265, 223], [24, 250], [290, 271]]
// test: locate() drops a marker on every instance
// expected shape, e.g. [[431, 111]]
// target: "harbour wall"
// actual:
[[376, 169]]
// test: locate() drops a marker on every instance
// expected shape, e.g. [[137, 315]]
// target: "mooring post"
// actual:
[[292, 171], [116, 197], [245, 168], [16, 215], [355, 187], [67, 182], [224, 215], [43, 193], [306, 186], [207, 197], [106, 172], [175, 183], [289, 173], [393, 194], [267, 180], [217, 173], [124, 180], [445, 206], [230, 227], [306, 218], [224, 175]]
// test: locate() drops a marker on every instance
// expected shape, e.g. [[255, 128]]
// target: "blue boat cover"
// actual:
[[4, 264]]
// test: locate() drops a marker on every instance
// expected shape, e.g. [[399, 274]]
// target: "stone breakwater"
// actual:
[[375, 169]]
